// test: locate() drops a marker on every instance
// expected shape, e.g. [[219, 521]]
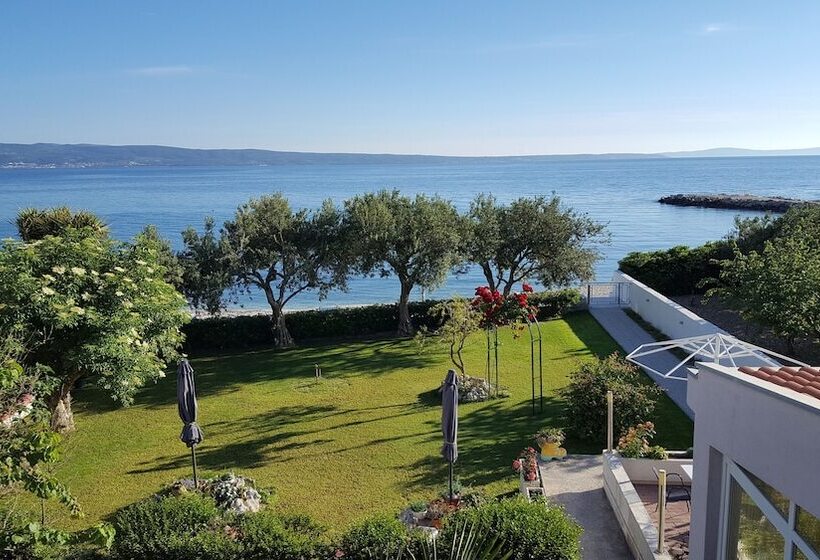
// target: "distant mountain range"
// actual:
[[94, 155]]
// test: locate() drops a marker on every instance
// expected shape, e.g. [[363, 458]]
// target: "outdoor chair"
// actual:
[[676, 490]]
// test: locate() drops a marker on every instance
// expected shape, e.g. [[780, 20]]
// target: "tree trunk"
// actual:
[[405, 325], [62, 417], [488, 275], [281, 334]]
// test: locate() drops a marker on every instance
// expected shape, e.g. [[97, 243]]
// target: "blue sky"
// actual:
[[413, 77]]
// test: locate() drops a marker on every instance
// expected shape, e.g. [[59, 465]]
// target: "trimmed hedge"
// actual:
[[677, 271], [247, 331]]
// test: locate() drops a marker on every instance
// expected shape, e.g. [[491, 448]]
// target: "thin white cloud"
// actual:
[[714, 28], [162, 71]]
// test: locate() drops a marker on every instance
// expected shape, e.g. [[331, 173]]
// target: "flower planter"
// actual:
[[524, 483]]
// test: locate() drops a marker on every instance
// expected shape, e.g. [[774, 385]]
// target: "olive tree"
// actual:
[[205, 274], [531, 239], [283, 253], [88, 307], [417, 240]]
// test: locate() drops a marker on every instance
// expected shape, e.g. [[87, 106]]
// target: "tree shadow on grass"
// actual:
[[223, 374]]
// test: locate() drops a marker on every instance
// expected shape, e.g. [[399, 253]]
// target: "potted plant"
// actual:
[[419, 510], [526, 465], [549, 440]]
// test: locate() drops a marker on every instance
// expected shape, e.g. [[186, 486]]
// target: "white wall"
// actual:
[[639, 530], [672, 319]]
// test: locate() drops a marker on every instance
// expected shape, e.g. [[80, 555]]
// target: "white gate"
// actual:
[[607, 294]]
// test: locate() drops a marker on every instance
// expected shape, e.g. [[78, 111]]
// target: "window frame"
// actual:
[[787, 527]]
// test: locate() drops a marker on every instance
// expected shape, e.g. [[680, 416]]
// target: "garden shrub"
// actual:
[[528, 530], [379, 536], [555, 303], [171, 528], [634, 397], [266, 536], [248, 331], [680, 270]]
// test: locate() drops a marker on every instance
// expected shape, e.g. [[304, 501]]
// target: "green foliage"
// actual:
[[87, 306], [777, 288], [249, 331], [417, 240], [170, 528], [677, 271], [27, 445], [634, 444], [466, 542], [459, 319], [34, 223], [283, 253], [23, 539], [634, 397], [266, 536], [531, 238], [528, 530], [205, 274], [555, 303], [377, 536]]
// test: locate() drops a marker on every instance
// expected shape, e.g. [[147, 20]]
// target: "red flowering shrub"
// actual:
[[497, 310]]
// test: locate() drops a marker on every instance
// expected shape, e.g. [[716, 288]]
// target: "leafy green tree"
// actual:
[[284, 253], [417, 240], [531, 239], [88, 307], [459, 320], [205, 274], [777, 287]]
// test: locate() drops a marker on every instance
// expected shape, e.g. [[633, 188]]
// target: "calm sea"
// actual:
[[621, 193]]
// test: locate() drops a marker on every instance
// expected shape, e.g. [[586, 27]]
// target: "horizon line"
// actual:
[[418, 154]]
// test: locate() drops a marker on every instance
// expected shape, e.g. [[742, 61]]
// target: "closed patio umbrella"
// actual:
[[449, 422], [186, 402]]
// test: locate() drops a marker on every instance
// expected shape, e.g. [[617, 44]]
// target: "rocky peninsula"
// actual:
[[736, 201]]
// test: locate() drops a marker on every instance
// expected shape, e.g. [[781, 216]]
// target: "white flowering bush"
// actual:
[[90, 307]]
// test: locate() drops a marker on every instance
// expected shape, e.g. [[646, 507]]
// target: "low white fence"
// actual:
[[669, 317]]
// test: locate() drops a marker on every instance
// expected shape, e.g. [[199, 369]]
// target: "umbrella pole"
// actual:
[[451, 481], [193, 460]]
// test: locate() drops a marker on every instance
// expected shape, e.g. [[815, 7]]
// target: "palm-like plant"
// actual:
[[467, 543], [34, 223]]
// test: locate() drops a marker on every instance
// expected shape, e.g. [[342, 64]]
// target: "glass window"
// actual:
[[778, 500], [751, 535], [808, 527]]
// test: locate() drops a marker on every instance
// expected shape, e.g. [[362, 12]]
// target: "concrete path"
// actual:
[[577, 484], [629, 335]]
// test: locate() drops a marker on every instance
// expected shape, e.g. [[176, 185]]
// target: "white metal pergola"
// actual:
[[716, 348]]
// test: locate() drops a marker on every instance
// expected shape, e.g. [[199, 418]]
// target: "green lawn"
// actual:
[[366, 438]]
